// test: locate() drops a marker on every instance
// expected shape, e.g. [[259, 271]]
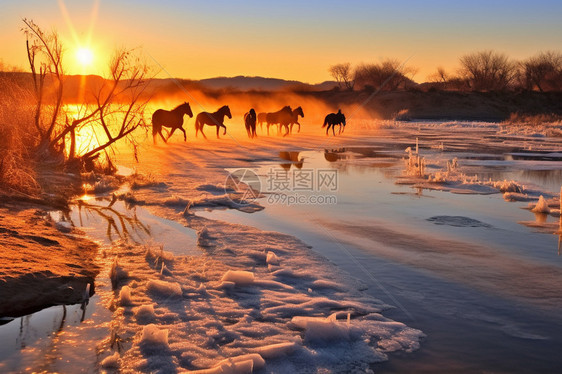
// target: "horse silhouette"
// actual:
[[334, 119], [295, 119], [170, 118], [282, 117], [261, 119], [250, 123], [212, 119]]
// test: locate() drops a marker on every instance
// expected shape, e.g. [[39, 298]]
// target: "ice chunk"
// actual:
[[272, 258], [227, 285], [145, 313], [125, 296], [541, 206], [237, 365], [323, 329], [322, 283], [164, 289], [276, 350], [111, 362], [239, 277], [154, 337]]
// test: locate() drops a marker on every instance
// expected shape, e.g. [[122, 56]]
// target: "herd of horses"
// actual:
[[284, 119]]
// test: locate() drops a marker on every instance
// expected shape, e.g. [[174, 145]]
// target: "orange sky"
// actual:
[[289, 40]]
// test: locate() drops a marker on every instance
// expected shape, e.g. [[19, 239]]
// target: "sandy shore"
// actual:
[[41, 263]]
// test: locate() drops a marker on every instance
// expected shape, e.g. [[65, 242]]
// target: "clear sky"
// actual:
[[287, 39]]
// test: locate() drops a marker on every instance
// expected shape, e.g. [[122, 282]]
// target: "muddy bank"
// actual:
[[41, 263]]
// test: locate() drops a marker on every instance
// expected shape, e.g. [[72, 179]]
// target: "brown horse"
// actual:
[[261, 119], [282, 118], [250, 123], [212, 119], [295, 120], [170, 118]]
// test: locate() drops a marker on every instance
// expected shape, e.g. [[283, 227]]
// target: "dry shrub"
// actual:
[[17, 138]]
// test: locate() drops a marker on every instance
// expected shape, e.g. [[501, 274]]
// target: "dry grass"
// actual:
[[17, 139], [534, 120]]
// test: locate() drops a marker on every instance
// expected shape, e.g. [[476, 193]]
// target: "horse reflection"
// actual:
[[293, 157]]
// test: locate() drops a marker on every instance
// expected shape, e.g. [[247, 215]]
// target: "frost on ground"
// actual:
[[253, 300]]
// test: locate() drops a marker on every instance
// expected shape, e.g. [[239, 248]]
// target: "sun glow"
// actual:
[[84, 57]]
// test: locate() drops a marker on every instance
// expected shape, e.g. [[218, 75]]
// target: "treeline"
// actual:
[[478, 71]]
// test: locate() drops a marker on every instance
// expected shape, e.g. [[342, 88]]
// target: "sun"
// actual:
[[84, 56]]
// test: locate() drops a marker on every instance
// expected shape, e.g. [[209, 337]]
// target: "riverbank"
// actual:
[[42, 263]]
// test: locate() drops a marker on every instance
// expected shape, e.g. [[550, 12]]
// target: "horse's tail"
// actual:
[[325, 121]]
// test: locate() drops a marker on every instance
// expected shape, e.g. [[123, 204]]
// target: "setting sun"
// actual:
[[84, 56]]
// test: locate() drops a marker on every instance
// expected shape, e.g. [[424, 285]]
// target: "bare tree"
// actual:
[[440, 76], [487, 70], [117, 111], [543, 71], [343, 75], [388, 75]]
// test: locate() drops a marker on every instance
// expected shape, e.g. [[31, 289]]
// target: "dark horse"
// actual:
[[212, 119], [282, 117], [170, 118], [334, 119], [295, 120], [250, 123]]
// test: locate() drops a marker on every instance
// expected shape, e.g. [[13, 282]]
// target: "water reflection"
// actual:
[[35, 338], [293, 157]]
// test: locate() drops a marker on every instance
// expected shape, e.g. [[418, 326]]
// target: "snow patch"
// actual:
[[154, 337], [541, 206], [125, 296]]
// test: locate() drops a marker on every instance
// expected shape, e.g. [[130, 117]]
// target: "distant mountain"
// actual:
[[244, 83]]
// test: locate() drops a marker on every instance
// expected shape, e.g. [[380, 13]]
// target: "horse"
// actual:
[[334, 119], [295, 120], [212, 119], [261, 119], [170, 118], [250, 123], [282, 117]]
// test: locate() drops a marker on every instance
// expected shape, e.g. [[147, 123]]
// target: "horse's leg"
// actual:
[[327, 128], [334, 129], [171, 132], [162, 136], [184, 134], [224, 133], [254, 133], [299, 126], [202, 133], [267, 129], [286, 128]]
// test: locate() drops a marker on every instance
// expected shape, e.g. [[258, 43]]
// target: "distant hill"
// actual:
[[244, 83]]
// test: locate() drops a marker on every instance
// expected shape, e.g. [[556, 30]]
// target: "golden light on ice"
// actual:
[[84, 56]]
